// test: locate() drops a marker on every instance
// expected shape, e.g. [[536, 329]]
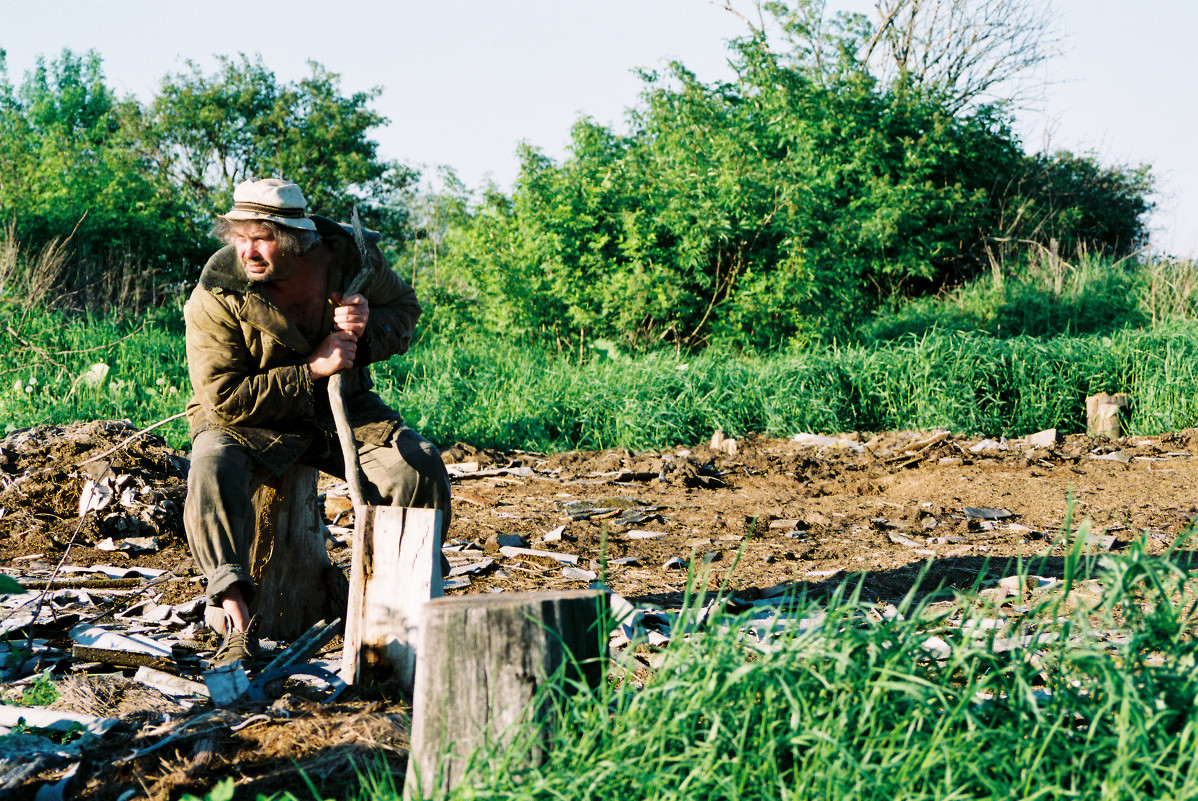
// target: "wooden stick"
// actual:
[[345, 434]]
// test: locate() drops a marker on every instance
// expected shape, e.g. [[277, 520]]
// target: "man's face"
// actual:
[[260, 254]]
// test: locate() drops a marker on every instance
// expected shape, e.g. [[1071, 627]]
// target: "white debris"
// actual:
[[95, 496], [472, 567], [58, 720], [1114, 456], [95, 637], [511, 552], [578, 574], [828, 442], [644, 535], [987, 513], [169, 684], [1043, 439]]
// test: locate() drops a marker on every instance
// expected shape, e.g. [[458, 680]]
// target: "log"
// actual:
[[489, 663], [297, 584], [396, 570]]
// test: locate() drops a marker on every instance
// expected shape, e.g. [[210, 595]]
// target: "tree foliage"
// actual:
[[208, 133], [132, 188], [780, 206], [70, 171]]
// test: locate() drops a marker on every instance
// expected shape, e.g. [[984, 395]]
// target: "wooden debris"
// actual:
[[511, 552], [168, 683], [307, 646], [986, 513], [1104, 412], [125, 659], [396, 570]]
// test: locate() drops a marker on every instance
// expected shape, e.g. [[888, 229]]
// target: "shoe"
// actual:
[[238, 646]]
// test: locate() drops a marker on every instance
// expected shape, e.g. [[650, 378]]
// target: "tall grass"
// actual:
[[1079, 695], [498, 394], [59, 368], [966, 361]]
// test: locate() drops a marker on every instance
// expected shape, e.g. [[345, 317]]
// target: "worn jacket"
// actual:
[[248, 362]]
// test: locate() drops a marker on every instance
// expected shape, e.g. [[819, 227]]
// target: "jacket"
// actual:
[[248, 362]]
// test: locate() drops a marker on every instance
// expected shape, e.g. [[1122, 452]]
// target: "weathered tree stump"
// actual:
[[1104, 414], [297, 585], [396, 569], [490, 662]]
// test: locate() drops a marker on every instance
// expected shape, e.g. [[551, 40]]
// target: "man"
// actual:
[[266, 327]]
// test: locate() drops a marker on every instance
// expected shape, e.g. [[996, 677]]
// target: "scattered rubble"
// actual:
[[764, 519]]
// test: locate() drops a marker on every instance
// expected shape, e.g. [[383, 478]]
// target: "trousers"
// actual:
[[219, 515]]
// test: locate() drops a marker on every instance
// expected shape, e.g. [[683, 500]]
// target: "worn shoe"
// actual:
[[237, 646]]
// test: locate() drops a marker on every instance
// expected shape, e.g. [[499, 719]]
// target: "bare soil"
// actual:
[[884, 509]]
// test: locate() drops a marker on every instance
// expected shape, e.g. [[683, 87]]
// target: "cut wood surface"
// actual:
[[488, 662], [396, 569]]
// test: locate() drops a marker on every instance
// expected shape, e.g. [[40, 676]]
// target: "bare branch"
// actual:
[[964, 51]]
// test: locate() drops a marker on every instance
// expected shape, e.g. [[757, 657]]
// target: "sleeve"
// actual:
[[227, 378]]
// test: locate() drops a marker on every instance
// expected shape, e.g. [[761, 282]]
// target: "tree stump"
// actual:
[[1104, 414], [297, 584], [490, 662]]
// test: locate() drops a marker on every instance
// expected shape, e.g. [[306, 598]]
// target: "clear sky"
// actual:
[[465, 81]]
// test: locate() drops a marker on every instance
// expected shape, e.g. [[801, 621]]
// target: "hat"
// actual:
[[271, 199]]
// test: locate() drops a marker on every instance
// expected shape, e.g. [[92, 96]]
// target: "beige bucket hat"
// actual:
[[271, 199]]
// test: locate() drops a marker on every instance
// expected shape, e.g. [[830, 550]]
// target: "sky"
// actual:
[[465, 82]]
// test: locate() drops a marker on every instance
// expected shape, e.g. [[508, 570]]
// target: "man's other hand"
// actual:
[[351, 314]]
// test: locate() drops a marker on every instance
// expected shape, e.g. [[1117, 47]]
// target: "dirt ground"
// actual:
[[754, 515]]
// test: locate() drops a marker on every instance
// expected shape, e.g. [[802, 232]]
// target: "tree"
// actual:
[[207, 133], [70, 171], [963, 53], [784, 205]]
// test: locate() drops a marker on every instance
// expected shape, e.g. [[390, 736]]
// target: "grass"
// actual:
[[494, 393], [1014, 352], [1079, 695], [501, 395]]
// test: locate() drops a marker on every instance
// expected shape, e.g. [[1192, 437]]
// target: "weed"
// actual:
[[43, 691]]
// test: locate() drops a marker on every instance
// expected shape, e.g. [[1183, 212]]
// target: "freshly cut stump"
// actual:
[[488, 663], [396, 570]]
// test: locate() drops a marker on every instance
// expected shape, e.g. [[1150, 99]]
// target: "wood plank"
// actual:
[[396, 569]]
